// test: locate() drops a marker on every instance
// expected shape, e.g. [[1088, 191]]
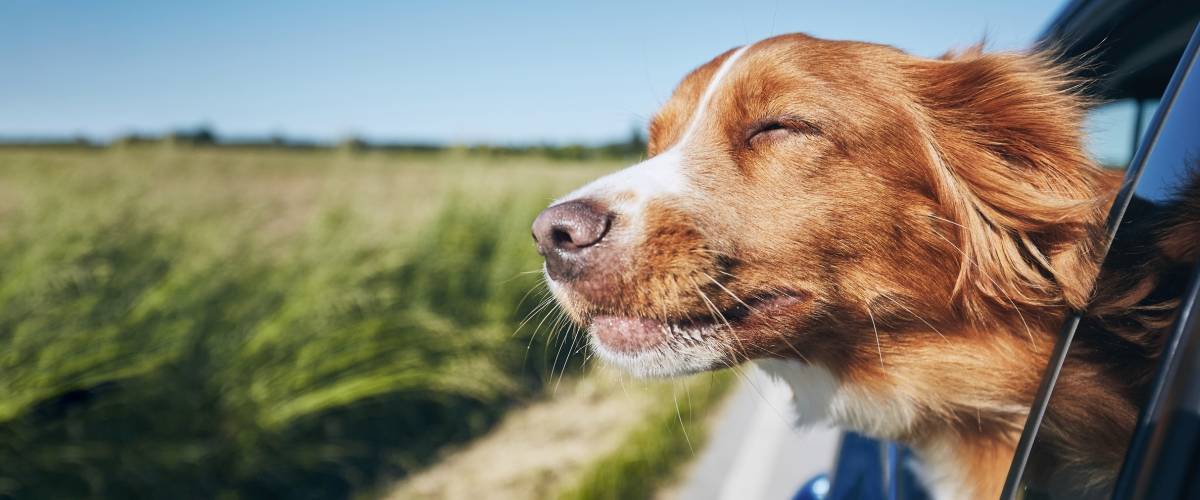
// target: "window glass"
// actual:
[[1111, 137]]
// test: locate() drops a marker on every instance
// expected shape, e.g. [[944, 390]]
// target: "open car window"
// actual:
[[1166, 165]]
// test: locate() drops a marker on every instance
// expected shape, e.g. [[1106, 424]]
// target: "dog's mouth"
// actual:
[[628, 335]]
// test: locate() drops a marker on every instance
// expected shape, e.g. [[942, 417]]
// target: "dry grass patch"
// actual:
[[588, 428]]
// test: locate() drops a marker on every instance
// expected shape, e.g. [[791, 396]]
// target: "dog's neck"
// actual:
[[962, 416]]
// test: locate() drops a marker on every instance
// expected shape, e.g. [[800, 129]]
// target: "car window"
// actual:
[[1114, 130], [1166, 165]]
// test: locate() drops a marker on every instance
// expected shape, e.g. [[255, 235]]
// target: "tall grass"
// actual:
[[198, 324]]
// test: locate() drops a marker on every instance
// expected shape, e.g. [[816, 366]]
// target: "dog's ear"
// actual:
[[1005, 142]]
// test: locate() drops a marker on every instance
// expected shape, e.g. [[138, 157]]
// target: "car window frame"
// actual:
[[1186, 66]]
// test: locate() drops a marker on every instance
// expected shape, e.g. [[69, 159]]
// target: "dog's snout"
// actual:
[[570, 226], [565, 233]]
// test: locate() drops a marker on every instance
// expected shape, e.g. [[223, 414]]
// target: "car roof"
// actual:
[[1133, 45]]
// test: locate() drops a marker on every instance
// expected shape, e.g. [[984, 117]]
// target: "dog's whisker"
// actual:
[[913, 313], [547, 302], [878, 345], [520, 274], [537, 330], [571, 351], [556, 329], [781, 335], [551, 339], [538, 284], [717, 315], [679, 415], [532, 336], [587, 356], [544, 302], [727, 291], [568, 333]]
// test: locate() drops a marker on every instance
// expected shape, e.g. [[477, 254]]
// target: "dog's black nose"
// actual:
[[565, 234]]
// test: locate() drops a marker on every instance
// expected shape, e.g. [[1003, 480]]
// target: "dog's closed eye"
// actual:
[[768, 130]]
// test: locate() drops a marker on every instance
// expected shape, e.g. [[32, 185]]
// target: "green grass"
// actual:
[[201, 323], [211, 323]]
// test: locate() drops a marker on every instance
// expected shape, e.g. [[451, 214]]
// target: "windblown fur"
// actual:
[[910, 231]]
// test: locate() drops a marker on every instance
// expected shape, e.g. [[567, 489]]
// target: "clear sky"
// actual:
[[460, 71]]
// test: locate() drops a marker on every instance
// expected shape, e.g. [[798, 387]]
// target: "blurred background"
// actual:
[[281, 249]]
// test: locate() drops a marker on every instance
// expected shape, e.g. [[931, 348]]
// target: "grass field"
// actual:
[[221, 323]]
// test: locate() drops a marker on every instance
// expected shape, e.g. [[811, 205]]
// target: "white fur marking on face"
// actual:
[[661, 175], [656, 176], [626, 194], [702, 106]]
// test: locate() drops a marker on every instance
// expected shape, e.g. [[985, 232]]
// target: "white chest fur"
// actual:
[[820, 397]]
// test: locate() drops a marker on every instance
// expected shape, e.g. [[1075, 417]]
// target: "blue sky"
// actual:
[[413, 70]]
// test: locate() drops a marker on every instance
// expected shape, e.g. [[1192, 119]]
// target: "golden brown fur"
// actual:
[[929, 221]]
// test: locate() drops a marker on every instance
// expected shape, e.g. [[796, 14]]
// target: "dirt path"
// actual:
[[542, 448]]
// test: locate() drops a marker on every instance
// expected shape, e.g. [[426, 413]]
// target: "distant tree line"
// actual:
[[205, 137]]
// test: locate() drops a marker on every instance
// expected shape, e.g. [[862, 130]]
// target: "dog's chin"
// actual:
[[662, 362], [656, 348]]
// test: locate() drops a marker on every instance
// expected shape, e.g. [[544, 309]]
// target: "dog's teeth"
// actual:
[[681, 332]]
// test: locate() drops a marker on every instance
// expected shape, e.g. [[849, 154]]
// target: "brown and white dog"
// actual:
[[897, 238]]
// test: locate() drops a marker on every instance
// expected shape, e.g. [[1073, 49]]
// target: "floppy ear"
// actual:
[[1005, 142]]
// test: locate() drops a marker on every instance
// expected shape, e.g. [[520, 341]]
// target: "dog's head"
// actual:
[[801, 194]]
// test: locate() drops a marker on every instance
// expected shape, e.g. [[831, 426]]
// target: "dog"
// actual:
[[898, 238]]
